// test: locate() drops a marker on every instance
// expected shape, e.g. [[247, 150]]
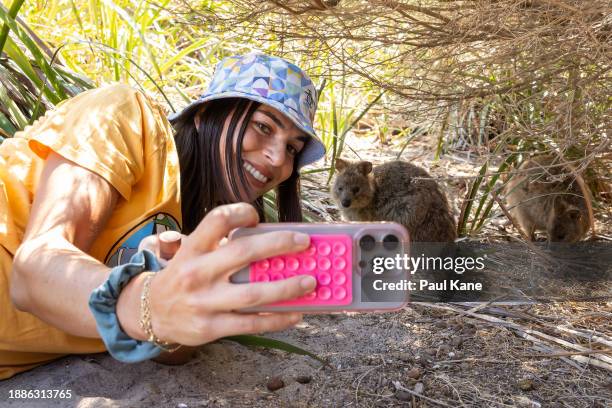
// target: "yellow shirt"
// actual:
[[118, 133]]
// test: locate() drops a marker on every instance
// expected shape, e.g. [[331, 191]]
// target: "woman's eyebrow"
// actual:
[[274, 118], [302, 138]]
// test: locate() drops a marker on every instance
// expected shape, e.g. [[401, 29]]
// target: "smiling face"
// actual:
[[269, 149], [270, 146]]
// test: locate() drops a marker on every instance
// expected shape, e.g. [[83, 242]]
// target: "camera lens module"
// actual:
[[367, 243], [390, 242]]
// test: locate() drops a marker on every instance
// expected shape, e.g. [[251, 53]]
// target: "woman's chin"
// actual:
[[256, 187]]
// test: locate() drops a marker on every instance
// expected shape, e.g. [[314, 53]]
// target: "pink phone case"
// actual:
[[337, 258]]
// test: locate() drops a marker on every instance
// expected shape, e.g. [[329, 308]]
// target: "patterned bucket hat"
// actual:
[[271, 81]]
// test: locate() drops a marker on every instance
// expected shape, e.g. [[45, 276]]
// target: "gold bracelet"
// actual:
[[145, 318]]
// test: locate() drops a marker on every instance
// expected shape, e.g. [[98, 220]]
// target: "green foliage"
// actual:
[[258, 341], [335, 120], [496, 97]]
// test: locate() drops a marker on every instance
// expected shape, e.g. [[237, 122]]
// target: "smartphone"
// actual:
[[347, 259]]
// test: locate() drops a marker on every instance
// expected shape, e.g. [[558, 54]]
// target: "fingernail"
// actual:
[[308, 283], [296, 318], [169, 243], [301, 239]]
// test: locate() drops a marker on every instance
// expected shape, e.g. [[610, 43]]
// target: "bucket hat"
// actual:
[[271, 81]]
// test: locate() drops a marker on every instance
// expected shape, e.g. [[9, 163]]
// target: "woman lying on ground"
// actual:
[[83, 186]]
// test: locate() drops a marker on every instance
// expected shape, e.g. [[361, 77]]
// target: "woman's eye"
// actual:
[[292, 150], [263, 128]]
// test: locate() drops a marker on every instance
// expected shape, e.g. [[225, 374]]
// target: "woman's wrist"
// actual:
[[128, 308]]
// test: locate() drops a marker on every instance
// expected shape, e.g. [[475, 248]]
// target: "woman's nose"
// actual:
[[276, 154]]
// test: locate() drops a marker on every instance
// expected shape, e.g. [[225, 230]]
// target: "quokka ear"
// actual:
[[340, 164], [365, 167]]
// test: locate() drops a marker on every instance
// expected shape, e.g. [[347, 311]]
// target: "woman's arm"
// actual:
[[52, 274], [192, 300]]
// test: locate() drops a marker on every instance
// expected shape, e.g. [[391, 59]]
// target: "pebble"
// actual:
[[403, 395], [414, 373], [181, 405], [303, 379], [419, 388], [524, 402], [275, 383]]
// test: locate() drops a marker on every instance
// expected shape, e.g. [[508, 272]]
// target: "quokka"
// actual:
[[545, 196], [394, 191]]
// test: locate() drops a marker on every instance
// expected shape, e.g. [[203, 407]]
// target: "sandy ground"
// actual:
[[423, 356], [454, 360]]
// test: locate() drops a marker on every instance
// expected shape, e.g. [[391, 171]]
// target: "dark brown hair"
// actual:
[[203, 179]]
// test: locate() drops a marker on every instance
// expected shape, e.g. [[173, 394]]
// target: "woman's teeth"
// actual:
[[258, 176]]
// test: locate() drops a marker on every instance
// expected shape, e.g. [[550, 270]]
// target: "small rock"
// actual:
[[403, 395], [275, 383], [451, 354], [525, 384], [414, 373], [303, 379], [524, 402], [440, 324], [419, 388], [181, 405]]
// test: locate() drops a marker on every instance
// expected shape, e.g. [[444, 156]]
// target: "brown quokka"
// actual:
[[394, 191], [545, 196]]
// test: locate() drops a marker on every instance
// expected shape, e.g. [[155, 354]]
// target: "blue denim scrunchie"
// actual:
[[103, 305]]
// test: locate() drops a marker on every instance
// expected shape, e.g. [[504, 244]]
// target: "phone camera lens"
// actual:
[[367, 243], [390, 242]]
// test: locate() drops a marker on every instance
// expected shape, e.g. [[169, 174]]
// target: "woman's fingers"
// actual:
[[216, 225], [200, 272], [240, 252], [245, 295], [164, 245], [231, 324], [169, 243]]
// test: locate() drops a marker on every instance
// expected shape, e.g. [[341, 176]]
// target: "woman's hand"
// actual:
[[192, 300]]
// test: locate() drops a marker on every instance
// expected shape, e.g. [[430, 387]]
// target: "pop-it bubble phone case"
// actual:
[[335, 257]]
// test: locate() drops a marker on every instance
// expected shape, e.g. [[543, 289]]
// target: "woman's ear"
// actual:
[[340, 164]]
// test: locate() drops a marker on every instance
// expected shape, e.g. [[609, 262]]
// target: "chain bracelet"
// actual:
[[145, 318]]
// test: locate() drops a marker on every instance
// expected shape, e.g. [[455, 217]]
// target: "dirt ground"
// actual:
[[426, 355]]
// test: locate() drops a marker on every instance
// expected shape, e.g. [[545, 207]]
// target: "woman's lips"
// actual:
[[255, 176]]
